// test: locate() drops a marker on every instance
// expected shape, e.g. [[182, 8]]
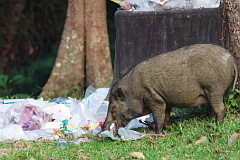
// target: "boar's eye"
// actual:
[[113, 108], [123, 115]]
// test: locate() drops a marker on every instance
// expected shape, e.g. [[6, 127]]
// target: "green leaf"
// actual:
[[234, 103], [237, 90], [16, 80], [212, 125], [231, 96], [5, 79]]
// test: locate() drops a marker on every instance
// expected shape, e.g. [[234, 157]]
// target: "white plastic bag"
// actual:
[[136, 124], [143, 5], [41, 133], [12, 132], [205, 3], [94, 108], [159, 1], [171, 4], [32, 114], [29, 114]]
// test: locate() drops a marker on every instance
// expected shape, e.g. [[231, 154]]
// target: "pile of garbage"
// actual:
[[29, 119], [154, 5]]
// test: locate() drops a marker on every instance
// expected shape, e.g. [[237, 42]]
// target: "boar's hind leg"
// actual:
[[167, 117], [158, 112], [216, 102]]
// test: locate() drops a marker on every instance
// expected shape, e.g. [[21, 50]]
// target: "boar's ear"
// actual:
[[119, 94]]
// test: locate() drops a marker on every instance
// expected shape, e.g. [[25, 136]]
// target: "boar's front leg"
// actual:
[[158, 112]]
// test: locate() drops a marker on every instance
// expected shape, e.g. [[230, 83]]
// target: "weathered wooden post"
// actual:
[[143, 34]]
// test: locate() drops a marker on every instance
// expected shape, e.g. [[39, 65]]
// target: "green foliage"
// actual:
[[233, 104], [37, 74], [8, 83]]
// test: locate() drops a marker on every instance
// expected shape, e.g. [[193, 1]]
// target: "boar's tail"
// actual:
[[236, 77]]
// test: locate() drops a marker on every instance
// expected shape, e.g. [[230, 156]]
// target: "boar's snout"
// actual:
[[106, 125], [111, 126]]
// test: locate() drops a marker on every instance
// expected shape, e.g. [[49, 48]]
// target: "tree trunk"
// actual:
[[84, 51], [98, 60], [67, 76], [231, 29]]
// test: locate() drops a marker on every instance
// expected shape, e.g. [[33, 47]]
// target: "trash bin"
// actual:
[[143, 34]]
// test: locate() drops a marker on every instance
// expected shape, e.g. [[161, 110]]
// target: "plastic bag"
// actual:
[[32, 114], [41, 134], [171, 4], [12, 131], [92, 108], [136, 124], [89, 112], [3, 120], [123, 134], [141, 5], [29, 114], [159, 1], [205, 3], [150, 5]]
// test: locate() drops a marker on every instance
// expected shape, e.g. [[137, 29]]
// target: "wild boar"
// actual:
[[187, 77]]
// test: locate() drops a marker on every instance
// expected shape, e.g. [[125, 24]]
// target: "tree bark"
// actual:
[[98, 60], [67, 76], [231, 28], [84, 55]]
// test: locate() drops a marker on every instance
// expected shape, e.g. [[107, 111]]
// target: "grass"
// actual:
[[180, 145]]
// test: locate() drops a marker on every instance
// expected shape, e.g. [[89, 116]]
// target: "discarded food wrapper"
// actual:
[[65, 129]]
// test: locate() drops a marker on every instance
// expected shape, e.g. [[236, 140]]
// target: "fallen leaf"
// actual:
[[133, 145], [80, 150], [111, 157], [152, 142], [20, 145], [216, 134], [2, 153], [233, 118], [49, 158], [201, 140], [82, 156], [138, 155], [217, 150], [233, 137], [20, 156], [30, 145]]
